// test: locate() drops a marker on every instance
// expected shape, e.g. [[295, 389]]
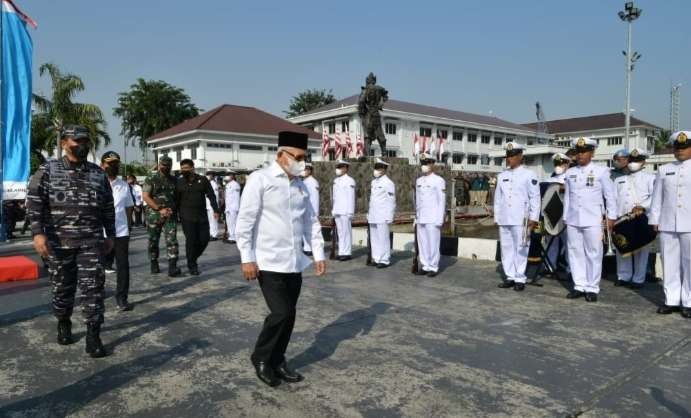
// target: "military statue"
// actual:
[[371, 102]]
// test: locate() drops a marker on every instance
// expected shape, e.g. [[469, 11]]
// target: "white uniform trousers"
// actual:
[[231, 220], [634, 267], [213, 223], [514, 256], [429, 242], [675, 249], [557, 247], [380, 240], [345, 234], [585, 257]]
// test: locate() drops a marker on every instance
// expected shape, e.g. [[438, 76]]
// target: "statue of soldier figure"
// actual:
[[371, 102]]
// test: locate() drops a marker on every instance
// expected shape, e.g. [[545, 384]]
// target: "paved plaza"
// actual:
[[371, 343]]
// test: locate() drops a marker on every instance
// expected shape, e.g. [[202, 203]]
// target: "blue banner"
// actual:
[[15, 104]]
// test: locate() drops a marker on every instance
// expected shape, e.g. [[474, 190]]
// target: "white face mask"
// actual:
[[558, 170], [227, 179], [425, 169], [339, 171], [378, 173], [296, 167], [633, 167]]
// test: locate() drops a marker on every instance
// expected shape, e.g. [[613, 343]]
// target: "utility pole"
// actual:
[[675, 96], [629, 14]]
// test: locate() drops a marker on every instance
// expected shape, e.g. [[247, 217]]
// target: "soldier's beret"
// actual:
[[165, 160], [109, 156], [74, 131], [292, 139]]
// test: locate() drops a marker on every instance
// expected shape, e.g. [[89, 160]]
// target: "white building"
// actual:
[[468, 137], [227, 137]]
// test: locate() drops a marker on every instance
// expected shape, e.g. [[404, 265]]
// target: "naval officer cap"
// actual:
[[342, 163], [638, 154], [292, 139], [379, 163], [560, 158], [584, 144], [75, 132], [513, 148], [110, 156], [426, 159], [681, 139], [621, 153]]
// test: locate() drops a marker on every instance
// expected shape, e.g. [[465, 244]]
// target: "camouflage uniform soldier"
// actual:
[[70, 204], [159, 194]]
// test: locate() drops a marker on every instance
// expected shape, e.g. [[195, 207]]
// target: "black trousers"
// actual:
[[196, 239], [281, 292], [138, 215], [121, 256]]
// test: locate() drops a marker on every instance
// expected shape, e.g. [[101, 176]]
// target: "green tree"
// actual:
[[150, 107], [309, 100], [59, 109], [661, 139]]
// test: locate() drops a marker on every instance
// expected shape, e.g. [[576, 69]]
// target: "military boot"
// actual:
[[94, 346], [173, 270], [154, 267], [65, 332]]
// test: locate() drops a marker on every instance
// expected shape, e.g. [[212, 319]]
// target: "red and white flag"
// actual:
[[416, 145], [432, 146], [359, 146], [348, 144], [339, 146], [442, 142], [326, 143]]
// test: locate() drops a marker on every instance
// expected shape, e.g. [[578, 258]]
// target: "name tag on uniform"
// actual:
[[670, 174], [505, 180], [573, 176], [621, 182]]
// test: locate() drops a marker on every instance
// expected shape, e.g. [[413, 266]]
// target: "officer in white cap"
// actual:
[[588, 195], [561, 162], [231, 197], [634, 193], [620, 162], [313, 190], [343, 196], [382, 205], [430, 206], [670, 212], [516, 201]]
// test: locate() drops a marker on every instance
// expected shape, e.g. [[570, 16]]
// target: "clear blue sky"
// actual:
[[474, 56]]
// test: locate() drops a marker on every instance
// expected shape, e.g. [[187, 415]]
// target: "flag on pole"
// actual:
[[442, 141], [416, 145], [349, 144], [432, 146], [339, 145], [359, 146], [326, 142], [15, 101]]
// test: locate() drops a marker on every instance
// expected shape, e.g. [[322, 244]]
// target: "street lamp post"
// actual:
[[629, 14]]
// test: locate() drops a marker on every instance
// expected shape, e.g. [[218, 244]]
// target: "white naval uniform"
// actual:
[[232, 206], [558, 243], [382, 205], [670, 210], [343, 196], [635, 189], [517, 195], [589, 194], [313, 188], [430, 206], [213, 223]]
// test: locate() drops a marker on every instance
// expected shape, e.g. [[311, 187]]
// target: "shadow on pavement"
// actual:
[[671, 406], [357, 323], [71, 398]]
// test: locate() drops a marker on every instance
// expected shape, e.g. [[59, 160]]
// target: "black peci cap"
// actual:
[[292, 139]]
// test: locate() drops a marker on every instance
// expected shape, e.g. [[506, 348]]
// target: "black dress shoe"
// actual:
[[125, 306], [421, 272], [344, 257], [308, 253], [575, 294], [666, 310], [636, 286], [432, 273], [686, 312], [65, 332], [506, 284], [519, 287], [194, 271], [266, 374], [590, 297], [621, 283], [382, 266], [213, 239], [289, 375]]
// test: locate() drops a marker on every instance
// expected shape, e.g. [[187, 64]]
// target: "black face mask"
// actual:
[[112, 171], [187, 174], [80, 151], [165, 169]]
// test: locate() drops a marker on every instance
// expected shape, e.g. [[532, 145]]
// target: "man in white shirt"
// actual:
[[382, 205], [136, 191], [634, 192], [275, 215], [313, 188], [343, 197], [516, 199], [670, 214], [122, 201], [213, 220], [232, 205], [589, 195], [430, 207]]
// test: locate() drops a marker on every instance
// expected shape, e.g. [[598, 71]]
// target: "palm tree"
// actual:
[[60, 109], [661, 139]]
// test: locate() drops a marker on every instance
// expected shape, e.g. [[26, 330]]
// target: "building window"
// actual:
[[472, 159], [472, 138], [391, 153], [272, 149], [442, 133], [484, 159], [390, 128], [485, 139], [178, 153], [345, 126], [332, 127], [426, 132], [615, 140], [458, 135], [498, 161], [498, 140], [193, 152], [510, 139], [250, 147], [457, 158]]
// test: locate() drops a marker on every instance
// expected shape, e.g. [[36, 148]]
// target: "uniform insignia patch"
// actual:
[[509, 147], [682, 138], [670, 174], [634, 153], [580, 142], [505, 180]]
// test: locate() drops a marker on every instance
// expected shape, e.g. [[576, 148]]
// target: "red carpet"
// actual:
[[17, 268]]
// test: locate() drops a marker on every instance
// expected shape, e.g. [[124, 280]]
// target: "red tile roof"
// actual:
[[237, 119], [590, 123]]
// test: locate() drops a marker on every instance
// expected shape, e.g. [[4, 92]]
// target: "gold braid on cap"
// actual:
[[682, 138]]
